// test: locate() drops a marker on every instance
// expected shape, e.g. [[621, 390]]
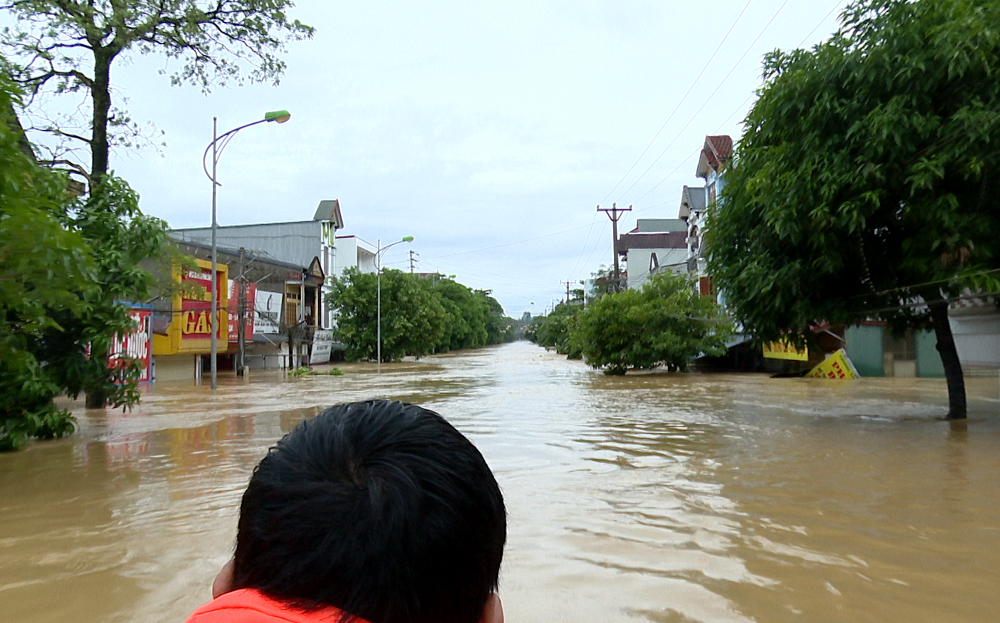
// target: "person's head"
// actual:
[[379, 508]]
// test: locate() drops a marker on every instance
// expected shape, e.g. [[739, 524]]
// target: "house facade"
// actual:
[[352, 252], [696, 201], [280, 304], [294, 242], [655, 245]]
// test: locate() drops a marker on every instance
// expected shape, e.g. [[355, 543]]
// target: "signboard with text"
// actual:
[[836, 366], [267, 312], [249, 293], [135, 345], [322, 346], [196, 308]]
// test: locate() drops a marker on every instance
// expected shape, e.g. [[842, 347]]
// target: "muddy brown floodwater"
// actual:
[[659, 497]]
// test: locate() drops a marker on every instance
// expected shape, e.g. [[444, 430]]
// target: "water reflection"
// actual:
[[651, 497]]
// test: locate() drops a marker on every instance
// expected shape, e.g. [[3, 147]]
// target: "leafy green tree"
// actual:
[[413, 319], [866, 184], [70, 46], [467, 316], [666, 323], [499, 327], [46, 275], [553, 330], [122, 238]]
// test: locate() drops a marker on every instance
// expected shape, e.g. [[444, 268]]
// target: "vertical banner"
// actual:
[[267, 312], [135, 345], [196, 309], [250, 299]]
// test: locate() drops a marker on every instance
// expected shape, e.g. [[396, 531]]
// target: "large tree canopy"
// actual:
[[69, 46], [46, 276], [866, 183], [666, 323]]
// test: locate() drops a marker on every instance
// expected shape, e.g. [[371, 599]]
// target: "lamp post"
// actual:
[[217, 145], [378, 278]]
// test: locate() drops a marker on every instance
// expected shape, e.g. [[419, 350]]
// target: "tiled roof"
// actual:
[[692, 200], [714, 154], [722, 145]]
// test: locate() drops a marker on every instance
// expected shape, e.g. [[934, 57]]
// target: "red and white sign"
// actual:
[[135, 345], [196, 310], [249, 298]]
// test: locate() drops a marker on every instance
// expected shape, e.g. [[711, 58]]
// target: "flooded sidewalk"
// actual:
[[656, 497]]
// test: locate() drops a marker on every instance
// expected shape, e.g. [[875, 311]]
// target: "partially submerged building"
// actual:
[[655, 245], [281, 304], [293, 242]]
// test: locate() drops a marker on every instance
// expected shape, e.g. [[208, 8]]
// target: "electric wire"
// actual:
[[708, 99], [667, 176], [676, 108]]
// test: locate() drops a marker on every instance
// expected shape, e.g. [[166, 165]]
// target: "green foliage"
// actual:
[[122, 237], [467, 316], [47, 276], [298, 373], [419, 316], [869, 172], [554, 329], [69, 46], [413, 319], [666, 323]]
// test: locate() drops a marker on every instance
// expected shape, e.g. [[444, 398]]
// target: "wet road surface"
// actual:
[[661, 497]]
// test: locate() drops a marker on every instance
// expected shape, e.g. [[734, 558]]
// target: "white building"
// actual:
[[352, 252], [655, 245], [697, 200]]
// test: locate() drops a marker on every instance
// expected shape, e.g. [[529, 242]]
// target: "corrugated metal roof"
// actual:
[[669, 240]]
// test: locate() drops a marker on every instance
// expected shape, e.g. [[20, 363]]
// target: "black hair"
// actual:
[[382, 509]]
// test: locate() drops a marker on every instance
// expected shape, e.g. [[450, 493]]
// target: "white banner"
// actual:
[[267, 312], [322, 346]]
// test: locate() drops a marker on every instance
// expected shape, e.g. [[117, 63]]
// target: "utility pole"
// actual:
[[567, 290], [614, 213], [241, 330], [413, 259]]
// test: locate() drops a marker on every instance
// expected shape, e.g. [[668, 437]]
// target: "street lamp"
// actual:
[[378, 278], [217, 145]]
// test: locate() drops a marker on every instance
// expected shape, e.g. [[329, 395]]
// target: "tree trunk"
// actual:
[[949, 358], [97, 399], [101, 97]]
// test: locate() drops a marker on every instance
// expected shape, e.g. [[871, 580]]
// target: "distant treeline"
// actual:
[[420, 315], [666, 323]]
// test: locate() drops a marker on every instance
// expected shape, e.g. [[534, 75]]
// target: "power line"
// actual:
[[676, 108], [667, 176], [804, 39], [709, 98]]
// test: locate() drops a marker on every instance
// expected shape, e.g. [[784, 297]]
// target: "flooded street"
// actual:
[[647, 498]]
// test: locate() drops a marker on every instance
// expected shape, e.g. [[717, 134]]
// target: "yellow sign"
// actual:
[[836, 366], [785, 350]]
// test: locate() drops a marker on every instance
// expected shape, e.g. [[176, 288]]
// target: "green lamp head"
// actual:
[[279, 116], [407, 239]]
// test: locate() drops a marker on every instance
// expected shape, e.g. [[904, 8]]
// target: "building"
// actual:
[[281, 303], [696, 201], [293, 242], [656, 244], [352, 252]]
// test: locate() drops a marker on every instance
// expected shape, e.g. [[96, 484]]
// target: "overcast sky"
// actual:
[[488, 131]]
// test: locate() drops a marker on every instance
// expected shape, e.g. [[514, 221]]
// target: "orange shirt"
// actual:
[[248, 605]]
